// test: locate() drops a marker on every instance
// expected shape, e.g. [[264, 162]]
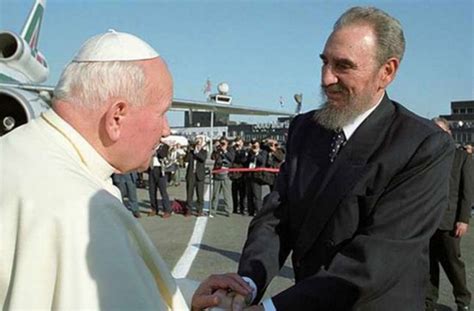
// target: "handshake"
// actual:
[[224, 292]]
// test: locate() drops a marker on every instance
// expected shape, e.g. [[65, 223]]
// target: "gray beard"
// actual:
[[334, 118]]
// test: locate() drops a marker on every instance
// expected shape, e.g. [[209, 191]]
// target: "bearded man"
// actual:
[[362, 188]]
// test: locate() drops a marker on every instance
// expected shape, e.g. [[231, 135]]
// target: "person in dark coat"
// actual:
[[239, 193], [128, 189], [445, 248], [158, 180], [256, 158], [195, 174], [362, 189]]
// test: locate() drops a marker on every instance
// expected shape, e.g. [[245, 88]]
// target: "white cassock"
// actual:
[[66, 240]]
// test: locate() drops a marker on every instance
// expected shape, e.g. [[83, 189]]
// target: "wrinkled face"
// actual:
[[350, 73], [148, 123]]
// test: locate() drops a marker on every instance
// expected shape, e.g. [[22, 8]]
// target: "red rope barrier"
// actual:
[[246, 170]]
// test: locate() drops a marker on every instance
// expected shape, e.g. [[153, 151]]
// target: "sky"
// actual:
[[265, 50]]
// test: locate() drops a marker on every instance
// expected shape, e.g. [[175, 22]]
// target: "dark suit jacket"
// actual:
[[200, 158], [461, 191], [358, 228]]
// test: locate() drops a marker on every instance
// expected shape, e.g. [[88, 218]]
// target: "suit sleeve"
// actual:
[[466, 192], [162, 151], [267, 245], [201, 155], [405, 215]]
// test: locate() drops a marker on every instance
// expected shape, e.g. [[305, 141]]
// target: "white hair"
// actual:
[[90, 84]]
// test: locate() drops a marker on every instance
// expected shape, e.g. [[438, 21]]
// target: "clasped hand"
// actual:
[[225, 291]]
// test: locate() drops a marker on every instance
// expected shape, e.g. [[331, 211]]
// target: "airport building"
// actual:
[[276, 130], [461, 121], [217, 123]]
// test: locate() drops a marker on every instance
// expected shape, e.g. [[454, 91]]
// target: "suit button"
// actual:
[[297, 264], [329, 243]]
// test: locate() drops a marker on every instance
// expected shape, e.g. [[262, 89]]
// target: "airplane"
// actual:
[[23, 67]]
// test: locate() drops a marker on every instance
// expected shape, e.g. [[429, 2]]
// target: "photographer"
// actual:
[[158, 180], [195, 174], [276, 156], [239, 179], [257, 158], [223, 158]]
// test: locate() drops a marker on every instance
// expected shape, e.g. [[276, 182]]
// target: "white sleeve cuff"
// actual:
[[252, 285], [268, 305]]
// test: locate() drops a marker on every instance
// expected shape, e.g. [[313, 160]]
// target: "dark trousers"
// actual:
[[445, 249], [238, 195], [193, 184], [157, 180], [254, 196], [127, 189]]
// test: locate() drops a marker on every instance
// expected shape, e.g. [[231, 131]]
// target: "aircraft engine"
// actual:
[[17, 107], [17, 54]]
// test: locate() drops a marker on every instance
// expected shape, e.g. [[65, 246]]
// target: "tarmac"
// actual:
[[198, 247]]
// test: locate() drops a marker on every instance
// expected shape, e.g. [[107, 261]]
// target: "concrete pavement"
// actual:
[[223, 239]]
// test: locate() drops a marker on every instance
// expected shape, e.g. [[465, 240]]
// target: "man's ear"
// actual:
[[388, 71], [114, 119]]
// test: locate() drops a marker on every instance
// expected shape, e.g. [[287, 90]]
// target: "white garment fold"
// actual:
[[66, 240]]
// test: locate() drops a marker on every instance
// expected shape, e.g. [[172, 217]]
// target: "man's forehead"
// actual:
[[350, 43], [351, 37]]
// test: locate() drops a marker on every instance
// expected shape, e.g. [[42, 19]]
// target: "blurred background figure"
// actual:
[[175, 160], [127, 186], [157, 179], [223, 158], [469, 149], [195, 174], [257, 157], [238, 179], [275, 157], [445, 248]]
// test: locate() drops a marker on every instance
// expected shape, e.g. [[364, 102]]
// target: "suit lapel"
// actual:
[[343, 174], [312, 161]]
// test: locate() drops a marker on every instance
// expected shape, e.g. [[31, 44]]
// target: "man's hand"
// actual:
[[213, 291], [461, 229], [239, 303]]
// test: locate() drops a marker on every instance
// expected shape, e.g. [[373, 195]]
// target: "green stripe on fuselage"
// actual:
[[35, 22]]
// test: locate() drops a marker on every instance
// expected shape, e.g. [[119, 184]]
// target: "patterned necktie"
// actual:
[[338, 140]]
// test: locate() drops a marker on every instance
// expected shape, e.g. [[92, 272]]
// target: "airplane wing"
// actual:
[[177, 104], [183, 105]]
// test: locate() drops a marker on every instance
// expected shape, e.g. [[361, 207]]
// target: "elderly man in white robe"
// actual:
[[66, 240]]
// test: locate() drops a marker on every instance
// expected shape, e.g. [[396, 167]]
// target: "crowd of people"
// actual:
[[241, 190]]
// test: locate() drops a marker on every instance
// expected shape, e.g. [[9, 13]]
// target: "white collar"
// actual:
[[94, 162], [350, 128]]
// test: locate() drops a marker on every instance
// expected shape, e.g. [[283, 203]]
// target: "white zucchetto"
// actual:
[[114, 46]]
